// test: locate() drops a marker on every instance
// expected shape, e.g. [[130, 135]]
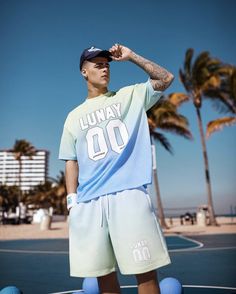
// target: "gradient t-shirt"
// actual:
[[109, 137]]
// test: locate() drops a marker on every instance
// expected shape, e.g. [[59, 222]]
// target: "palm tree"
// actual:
[[9, 196], [22, 148], [229, 95], [52, 193], [164, 115], [205, 78], [40, 195], [60, 192]]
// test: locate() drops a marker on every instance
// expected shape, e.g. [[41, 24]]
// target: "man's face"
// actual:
[[97, 71]]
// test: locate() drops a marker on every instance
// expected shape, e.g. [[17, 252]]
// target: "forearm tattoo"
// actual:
[[160, 77]]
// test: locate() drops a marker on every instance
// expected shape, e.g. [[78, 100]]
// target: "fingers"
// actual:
[[116, 51]]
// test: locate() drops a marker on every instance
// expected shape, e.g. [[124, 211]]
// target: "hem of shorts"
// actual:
[[92, 274], [150, 267]]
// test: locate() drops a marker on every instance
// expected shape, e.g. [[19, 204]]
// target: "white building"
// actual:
[[34, 169]]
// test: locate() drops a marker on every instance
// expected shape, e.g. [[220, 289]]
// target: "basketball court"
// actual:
[[203, 264]]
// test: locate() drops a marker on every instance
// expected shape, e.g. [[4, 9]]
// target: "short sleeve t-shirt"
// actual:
[[109, 137]]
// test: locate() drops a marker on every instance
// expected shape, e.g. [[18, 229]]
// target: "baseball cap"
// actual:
[[92, 52]]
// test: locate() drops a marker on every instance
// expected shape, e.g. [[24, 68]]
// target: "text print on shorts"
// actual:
[[96, 141], [141, 251]]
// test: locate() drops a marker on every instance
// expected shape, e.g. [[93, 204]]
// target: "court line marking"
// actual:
[[135, 286], [71, 291], [216, 248], [199, 244], [66, 252], [202, 249], [67, 292], [209, 287], [33, 251]]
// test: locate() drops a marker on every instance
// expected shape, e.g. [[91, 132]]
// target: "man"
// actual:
[[106, 146]]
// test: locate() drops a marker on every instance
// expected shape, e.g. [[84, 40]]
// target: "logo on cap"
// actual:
[[93, 49]]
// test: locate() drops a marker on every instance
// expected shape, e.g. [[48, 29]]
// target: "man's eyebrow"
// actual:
[[101, 63]]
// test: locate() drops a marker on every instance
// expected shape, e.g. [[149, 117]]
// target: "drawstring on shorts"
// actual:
[[104, 209]]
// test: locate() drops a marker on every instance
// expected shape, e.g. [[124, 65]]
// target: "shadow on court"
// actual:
[[198, 262]]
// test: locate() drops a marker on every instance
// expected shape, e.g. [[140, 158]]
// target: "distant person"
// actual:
[[106, 146], [21, 212]]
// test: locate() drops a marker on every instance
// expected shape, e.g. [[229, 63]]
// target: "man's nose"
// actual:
[[105, 69]]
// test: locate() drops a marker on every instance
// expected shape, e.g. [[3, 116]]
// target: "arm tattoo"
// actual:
[[160, 78]]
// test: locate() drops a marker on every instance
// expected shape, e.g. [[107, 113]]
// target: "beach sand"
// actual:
[[226, 225], [59, 229]]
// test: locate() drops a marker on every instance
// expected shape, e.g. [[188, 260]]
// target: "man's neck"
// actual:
[[95, 92]]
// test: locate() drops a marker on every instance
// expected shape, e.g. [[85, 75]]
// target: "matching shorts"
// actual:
[[116, 229]]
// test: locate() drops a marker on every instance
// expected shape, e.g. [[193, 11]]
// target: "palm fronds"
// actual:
[[177, 99], [160, 138], [23, 148], [219, 124], [165, 116]]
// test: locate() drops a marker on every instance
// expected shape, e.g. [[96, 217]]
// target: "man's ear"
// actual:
[[84, 73]]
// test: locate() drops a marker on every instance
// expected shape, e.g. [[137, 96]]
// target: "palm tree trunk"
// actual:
[[159, 202], [158, 194], [207, 172]]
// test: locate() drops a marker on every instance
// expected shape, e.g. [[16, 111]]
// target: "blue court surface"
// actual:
[[203, 264]]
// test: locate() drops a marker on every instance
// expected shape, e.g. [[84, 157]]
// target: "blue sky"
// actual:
[[40, 82]]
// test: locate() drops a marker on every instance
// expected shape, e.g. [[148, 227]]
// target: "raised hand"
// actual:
[[120, 52], [160, 78]]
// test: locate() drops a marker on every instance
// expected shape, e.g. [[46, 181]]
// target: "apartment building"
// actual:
[[34, 170]]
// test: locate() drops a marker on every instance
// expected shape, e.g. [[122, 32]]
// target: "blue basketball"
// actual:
[[10, 290], [90, 286], [170, 286]]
